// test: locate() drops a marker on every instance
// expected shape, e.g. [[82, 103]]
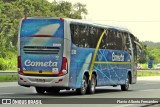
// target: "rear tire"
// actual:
[[125, 87], [92, 85], [83, 89], [40, 90]]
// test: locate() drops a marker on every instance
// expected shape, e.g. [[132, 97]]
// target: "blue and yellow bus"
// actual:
[[61, 53]]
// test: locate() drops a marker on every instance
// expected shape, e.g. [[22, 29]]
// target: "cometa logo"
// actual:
[[42, 64], [117, 57]]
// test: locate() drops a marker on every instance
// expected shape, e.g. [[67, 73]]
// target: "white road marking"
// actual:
[[6, 93], [150, 83], [125, 105], [149, 90]]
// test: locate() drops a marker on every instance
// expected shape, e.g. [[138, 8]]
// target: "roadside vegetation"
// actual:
[[11, 11], [150, 51], [148, 73], [8, 78]]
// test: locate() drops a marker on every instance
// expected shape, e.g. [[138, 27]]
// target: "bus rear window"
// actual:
[[42, 27]]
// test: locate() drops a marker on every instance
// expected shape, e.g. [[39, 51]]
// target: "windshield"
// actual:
[[42, 27]]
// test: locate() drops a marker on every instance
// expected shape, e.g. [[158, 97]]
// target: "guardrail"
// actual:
[[8, 73], [149, 72], [8, 76]]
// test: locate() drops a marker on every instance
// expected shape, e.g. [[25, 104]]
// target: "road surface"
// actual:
[[146, 87]]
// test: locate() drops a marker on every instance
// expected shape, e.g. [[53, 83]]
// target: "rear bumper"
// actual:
[[28, 81]]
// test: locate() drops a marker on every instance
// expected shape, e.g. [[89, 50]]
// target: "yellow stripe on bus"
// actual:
[[95, 53], [35, 72], [96, 62]]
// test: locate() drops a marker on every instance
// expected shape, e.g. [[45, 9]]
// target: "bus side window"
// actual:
[[124, 37], [82, 36], [74, 34], [134, 48], [114, 40], [109, 41], [127, 43], [103, 41], [118, 41]]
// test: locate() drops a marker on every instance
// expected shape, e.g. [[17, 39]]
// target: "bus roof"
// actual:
[[96, 24], [81, 21]]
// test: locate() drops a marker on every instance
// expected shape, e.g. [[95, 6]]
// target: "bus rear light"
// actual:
[[64, 67], [20, 71], [64, 71], [25, 18], [62, 19]]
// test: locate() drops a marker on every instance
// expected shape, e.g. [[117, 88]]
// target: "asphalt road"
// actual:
[[146, 87]]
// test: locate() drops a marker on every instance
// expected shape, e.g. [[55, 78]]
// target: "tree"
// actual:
[[144, 55], [11, 12], [78, 10]]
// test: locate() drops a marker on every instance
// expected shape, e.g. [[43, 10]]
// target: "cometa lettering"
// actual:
[[38, 63], [117, 57]]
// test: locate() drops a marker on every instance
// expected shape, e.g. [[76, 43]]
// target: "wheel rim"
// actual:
[[127, 83], [92, 85], [84, 85]]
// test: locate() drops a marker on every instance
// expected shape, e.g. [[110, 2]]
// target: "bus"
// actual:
[[63, 53]]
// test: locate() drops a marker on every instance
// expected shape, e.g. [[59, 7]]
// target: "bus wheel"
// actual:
[[40, 90], [125, 87], [92, 85], [83, 88]]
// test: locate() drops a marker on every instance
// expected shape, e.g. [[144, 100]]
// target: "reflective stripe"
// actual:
[[96, 62]]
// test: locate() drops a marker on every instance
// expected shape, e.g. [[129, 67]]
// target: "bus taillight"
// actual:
[[62, 19], [64, 67], [20, 71], [25, 18]]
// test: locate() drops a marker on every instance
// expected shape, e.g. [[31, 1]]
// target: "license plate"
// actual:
[[40, 80]]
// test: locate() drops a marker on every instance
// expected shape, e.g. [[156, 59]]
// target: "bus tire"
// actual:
[[40, 90], [83, 89], [92, 85], [125, 87]]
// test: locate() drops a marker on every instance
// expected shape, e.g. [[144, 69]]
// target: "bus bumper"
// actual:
[[28, 81]]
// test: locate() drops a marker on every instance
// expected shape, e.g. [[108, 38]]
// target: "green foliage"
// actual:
[[144, 55], [11, 11], [152, 52], [8, 78], [10, 64], [142, 74]]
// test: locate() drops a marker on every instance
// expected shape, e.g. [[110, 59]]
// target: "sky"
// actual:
[[141, 17]]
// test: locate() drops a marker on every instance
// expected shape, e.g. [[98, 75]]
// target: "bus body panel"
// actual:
[[107, 74], [42, 50]]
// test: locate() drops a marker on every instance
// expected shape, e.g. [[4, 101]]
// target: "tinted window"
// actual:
[[85, 36], [113, 40]]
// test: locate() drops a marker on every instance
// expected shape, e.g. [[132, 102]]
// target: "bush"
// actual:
[[8, 64], [3, 64]]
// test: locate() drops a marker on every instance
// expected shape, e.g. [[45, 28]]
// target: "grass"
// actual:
[[145, 66], [142, 74], [8, 78]]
